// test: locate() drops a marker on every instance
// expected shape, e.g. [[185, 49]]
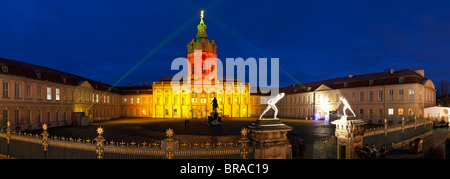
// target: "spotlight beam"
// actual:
[[250, 45]]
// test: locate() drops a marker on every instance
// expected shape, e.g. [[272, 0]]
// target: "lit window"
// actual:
[[57, 94], [137, 100], [391, 111], [49, 93], [400, 112], [411, 94]]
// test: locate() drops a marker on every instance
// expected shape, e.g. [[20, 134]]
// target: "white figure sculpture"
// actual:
[[271, 104], [346, 106]]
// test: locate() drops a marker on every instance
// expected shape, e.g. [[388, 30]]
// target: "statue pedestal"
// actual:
[[349, 133], [269, 138], [214, 119]]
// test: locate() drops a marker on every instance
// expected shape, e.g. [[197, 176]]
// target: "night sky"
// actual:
[[314, 40]]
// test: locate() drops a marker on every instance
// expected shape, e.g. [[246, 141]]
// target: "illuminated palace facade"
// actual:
[[162, 100], [33, 95], [374, 97]]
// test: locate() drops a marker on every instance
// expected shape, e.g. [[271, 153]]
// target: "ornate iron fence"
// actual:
[[29, 146]]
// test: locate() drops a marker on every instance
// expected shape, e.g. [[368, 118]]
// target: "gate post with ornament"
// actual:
[[349, 134]]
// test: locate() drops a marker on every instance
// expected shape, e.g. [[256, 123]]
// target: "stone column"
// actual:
[[349, 134], [268, 136]]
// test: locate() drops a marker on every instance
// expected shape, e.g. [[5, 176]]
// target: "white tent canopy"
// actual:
[[437, 112]]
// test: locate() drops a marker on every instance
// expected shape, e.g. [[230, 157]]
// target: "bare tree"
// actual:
[[442, 93]]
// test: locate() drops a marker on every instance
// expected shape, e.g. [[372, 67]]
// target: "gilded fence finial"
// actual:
[[169, 155], [99, 140], [8, 132], [144, 144], [44, 137], [169, 133], [244, 132], [8, 138], [244, 154], [99, 130], [244, 139]]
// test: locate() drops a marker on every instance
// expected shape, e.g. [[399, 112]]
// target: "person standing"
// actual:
[[373, 151], [366, 151], [382, 154], [301, 148]]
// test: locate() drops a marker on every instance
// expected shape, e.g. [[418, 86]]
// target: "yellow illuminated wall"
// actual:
[[179, 103]]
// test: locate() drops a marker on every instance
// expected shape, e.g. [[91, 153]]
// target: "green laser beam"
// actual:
[[149, 54], [250, 45], [156, 49]]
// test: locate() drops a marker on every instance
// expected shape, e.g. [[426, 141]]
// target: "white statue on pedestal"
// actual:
[[271, 104], [346, 106]]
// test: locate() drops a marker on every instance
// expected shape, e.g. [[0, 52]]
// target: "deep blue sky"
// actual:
[[314, 39]]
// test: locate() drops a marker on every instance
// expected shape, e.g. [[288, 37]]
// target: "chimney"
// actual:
[[391, 71], [129, 85], [350, 76]]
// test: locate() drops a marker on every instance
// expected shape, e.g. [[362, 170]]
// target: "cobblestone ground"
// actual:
[[151, 129]]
